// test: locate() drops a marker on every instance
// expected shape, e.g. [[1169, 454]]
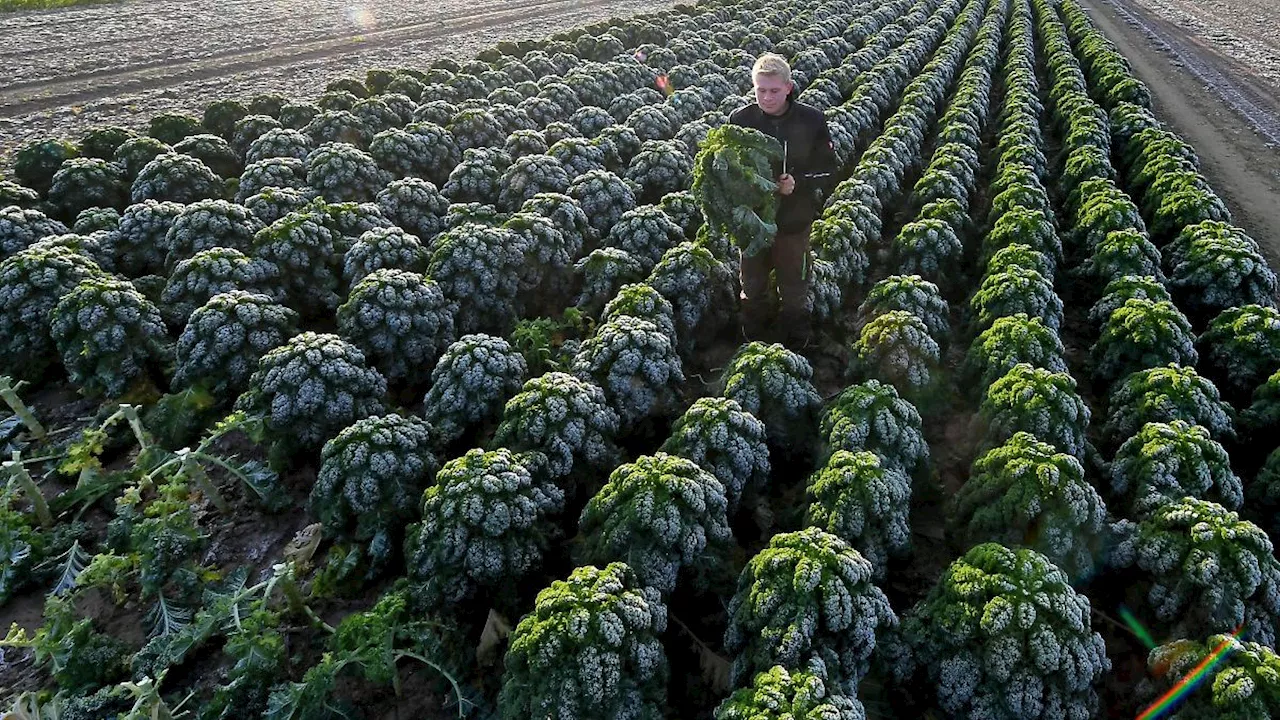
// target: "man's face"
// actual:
[[771, 93]]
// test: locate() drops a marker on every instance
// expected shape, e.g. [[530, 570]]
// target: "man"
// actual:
[[807, 172]]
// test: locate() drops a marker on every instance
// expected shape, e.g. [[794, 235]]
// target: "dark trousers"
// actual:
[[788, 258]]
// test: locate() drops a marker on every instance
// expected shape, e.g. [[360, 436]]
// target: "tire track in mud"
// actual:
[[1237, 91], [294, 79], [75, 17], [1247, 31], [35, 95], [147, 28], [1240, 163]]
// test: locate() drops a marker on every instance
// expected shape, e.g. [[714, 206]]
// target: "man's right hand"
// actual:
[[786, 184]]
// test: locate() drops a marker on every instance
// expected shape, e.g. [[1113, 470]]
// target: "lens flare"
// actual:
[[1137, 628], [1191, 680], [361, 17]]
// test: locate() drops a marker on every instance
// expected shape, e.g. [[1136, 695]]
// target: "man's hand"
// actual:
[[786, 184]]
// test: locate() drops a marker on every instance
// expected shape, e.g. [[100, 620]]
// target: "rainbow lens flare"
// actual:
[[1136, 628], [1191, 680]]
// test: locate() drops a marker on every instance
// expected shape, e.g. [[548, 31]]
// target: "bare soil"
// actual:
[[1247, 31], [69, 70], [1227, 110]]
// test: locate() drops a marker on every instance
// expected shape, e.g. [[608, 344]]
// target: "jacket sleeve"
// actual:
[[820, 176]]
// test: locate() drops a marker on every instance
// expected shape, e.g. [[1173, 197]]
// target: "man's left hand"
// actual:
[[786, 184]]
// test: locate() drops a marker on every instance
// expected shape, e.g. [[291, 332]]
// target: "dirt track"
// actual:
[[83, 82], [1225, 109], [1247, 31], [72, 69]]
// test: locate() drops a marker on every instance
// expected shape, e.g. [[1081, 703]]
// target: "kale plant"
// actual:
[[475, 377], [726, 441], [591, 649], [661, 514], [807, 596], [1004, 635]]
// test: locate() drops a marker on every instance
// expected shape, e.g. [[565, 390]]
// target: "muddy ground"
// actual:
[[69, 70], [1247, 31], [1228, 110]]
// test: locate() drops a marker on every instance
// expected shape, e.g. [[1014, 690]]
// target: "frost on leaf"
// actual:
[[475, 377], [1121, 289], [928, 248], [776, 694], [1016, 290], [1168, 461], [643, 302], [897, 347], [865, 502], [635, 364], [341, 172], [660, 514], [700, 288], [206, 225], [1241, 347], [871, 416], [1122, 252], [1164, 394], [660, 167], [371, 475], [1004, 635], [1040, 402], [224, 339], [913, 294], [1024, 492], [724, 440], [1142, 334], [486, 523], [590, 649], [477, 178], [217, 270], [401, 320], [415, 206], [807, 596], [1214, 267], [32, 281], [1012, 340], [604, 198], [175, 177], [529, 175], [306, 252], [775, 385], [379, 248], [479, 269], [1244, 683], [310, 388], [602, 274], [646, 233], [566, 419], [839, 240], [1203, 568], [22, 227], [109, 336]]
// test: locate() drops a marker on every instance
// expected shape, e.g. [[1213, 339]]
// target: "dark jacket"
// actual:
[[811, 157]]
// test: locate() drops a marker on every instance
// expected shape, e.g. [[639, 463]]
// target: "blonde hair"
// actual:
[[773, 65]]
